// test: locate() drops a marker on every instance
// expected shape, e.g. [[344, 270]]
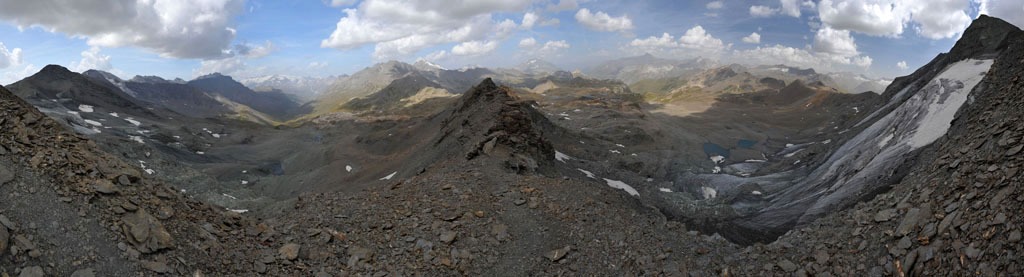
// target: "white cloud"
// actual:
[[436, 55], [836, 42], [16, 75], [804, 58], [226, 66], [474, 48], [862, 61], [664, 41], [92, 59], [317, 65], [9, 58], [714, 5], [902, 65], [697, 38], [527, 42], [552, 46], [696, 41], [809, 4], [550, 22], [754, 38], [341, 3], [1010, 10], [762, 11], [934, 19], [564, 5], [529, 19], [399, 28], [791, 7], [252, 51], [601, 21], [171, 28], [938, 19]]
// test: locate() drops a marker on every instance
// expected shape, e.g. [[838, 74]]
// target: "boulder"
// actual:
[[145, 232]]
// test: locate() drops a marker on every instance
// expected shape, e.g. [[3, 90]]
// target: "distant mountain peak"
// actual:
[[212, 76], [422, 64], [149, 79], [54, 69]]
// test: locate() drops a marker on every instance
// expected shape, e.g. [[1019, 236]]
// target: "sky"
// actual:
[[251, 38]]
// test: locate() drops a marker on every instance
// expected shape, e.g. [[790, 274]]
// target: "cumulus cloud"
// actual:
[[16, 75], [902, 65], [805, 58], [564, 5], [754, 38], [171, 28], [603, 22], [529, 19], [92, 59], [552, 46], [791, 7], [762, 11], [936, 19], [832, 49], [527, 42], [399, 28], [9, 58], [696, 41], [227, 66], [714, 5], [836, 42], [1010, 10], [474, 48]]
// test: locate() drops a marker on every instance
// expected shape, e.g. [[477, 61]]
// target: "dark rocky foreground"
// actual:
[[488, 203]]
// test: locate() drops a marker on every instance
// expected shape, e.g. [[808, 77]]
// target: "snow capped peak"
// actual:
[[426, 65]]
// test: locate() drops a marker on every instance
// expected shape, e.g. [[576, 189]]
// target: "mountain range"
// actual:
[[641, 166]]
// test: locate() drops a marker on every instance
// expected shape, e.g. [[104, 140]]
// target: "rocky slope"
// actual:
[[482, 189]]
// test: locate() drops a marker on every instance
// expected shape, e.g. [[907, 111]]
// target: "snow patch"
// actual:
[[133, 121], [229, 196], [238, 211], [941, 110], [85, 108], [589, 175], [708, 193], [114, 115], [664, 189], [561, 157], [244, 182], [886, 140], [389, 176], [622, 186], [717, 159], [348, 168], [137, 139], [93, 122], [755, 192]]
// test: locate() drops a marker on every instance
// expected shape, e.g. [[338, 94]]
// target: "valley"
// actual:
[[638, 166]]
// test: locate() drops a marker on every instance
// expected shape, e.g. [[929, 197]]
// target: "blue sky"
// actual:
[[329, 37]]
